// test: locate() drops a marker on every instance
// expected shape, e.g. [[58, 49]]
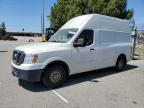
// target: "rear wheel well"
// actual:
[[60, 63]]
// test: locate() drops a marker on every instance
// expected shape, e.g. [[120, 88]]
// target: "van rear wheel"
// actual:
[[54, 76], [121, 63]]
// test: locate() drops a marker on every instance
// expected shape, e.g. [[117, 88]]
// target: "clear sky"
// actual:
[[19, 14]]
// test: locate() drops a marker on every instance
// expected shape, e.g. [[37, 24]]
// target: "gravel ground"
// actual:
[[27, 38], [98, 89]]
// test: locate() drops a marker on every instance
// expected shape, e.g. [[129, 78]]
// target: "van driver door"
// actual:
[[82, 56]]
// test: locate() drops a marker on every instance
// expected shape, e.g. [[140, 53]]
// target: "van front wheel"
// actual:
[[54, 76], [121, 63]]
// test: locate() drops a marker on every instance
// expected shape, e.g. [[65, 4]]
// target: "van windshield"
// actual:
[[63, 35]]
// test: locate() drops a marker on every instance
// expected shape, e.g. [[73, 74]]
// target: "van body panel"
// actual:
[[111, 37]]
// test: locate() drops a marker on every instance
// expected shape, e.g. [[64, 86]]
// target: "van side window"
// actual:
[[87, 35]]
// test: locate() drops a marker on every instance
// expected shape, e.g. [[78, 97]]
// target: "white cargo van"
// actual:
[[84, 43]]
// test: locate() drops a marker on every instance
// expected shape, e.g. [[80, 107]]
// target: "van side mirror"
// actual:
[[79, 43]]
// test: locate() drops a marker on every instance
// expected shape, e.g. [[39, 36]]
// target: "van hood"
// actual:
[[36, 47]]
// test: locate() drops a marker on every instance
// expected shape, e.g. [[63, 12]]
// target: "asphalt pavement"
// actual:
[[104, 88]]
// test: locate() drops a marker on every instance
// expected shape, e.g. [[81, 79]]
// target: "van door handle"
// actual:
[[92, 49]]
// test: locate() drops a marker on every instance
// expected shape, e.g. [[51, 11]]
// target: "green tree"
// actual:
[[2, 30], [64, 10], [3, 34]]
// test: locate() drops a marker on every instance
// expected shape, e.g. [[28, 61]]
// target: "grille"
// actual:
[[18, 57]]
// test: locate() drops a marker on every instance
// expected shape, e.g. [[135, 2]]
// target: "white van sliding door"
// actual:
[[106, 49]]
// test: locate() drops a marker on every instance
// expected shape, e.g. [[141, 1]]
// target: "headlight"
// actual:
[[31, 59]]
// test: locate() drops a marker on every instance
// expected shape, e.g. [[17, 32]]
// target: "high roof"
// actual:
[[96, 21]]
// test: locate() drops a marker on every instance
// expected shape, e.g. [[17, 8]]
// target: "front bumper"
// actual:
[[27, 75]]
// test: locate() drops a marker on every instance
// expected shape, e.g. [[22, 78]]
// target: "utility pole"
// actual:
[[134, 35], [134, 44], [42, 18]]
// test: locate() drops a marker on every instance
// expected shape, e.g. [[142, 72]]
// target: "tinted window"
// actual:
[[87, 35]]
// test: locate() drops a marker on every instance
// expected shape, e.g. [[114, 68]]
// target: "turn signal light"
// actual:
[[34, 58]]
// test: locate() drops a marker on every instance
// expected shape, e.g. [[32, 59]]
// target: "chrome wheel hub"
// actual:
[[55, 77]]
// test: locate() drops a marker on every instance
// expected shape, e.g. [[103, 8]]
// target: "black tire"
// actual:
[[121, 63], [54, 76]]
